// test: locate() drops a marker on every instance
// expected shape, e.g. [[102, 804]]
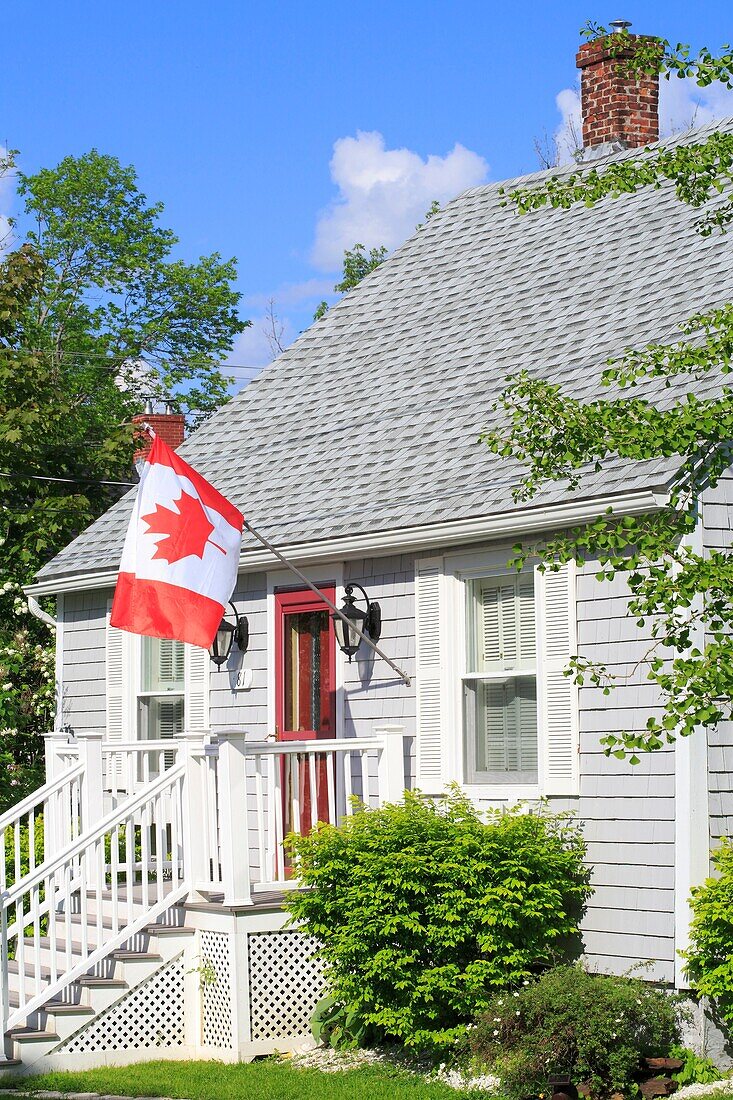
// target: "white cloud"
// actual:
[[383, 193], [682, 104], [291, 294]]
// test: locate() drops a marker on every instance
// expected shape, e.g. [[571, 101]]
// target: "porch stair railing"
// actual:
[[48, 817], [128, 868]]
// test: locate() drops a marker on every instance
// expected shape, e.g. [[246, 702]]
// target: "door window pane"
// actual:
[[307, 678]]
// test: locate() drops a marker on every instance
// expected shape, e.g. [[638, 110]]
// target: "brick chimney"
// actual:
[[620, 110], [169, 425]]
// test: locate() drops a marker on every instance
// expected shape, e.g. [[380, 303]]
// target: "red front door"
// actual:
[[305, 686]]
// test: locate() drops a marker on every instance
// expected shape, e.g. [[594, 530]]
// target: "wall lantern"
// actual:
[[226, 635], [369, 621]]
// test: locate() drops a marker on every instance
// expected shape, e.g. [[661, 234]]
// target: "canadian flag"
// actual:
[[179, 563]]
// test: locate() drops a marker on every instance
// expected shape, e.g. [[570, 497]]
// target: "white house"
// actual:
[[154, 926]]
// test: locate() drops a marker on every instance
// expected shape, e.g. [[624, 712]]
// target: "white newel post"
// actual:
[[92, 785], [233, 823], [196, 857], [52, 834], [391, 769]]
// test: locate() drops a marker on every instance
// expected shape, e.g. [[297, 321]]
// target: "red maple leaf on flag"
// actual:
[[186, 531]]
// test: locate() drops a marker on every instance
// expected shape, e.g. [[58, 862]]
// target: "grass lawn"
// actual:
[[265, 1080]]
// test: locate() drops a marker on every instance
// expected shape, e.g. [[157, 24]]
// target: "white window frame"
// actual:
[[141, 695], [461, 568], [473, 775]]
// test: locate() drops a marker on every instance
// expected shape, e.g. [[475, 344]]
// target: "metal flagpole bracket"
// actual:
[[331, 606]]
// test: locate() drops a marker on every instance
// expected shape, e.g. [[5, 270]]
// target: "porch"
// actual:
[[165, 862]]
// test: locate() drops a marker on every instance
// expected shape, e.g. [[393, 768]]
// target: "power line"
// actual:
[[68, 480]]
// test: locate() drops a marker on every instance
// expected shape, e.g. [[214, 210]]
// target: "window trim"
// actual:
[[472, 774], [461, 568]]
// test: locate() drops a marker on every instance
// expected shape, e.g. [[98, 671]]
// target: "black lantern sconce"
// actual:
[[369, 622], [227, 635]]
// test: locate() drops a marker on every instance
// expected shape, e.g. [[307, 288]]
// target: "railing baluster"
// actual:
[[130, 866], [159, 847], [313, 766], [364, 758], [52, 933], [278, 764], [20, 948], [114, 840], [67, 917], [264, 871], [331, 776], [36, 904], [145, 854], [84, 902], [16, 841], [348, 783], [296, 772]]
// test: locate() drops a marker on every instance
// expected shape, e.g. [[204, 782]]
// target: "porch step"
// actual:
[[31, 1035]]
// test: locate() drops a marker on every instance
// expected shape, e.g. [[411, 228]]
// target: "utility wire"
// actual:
[[69, 480]]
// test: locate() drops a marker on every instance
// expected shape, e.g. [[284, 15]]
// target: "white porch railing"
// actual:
[[50, 816], [94, 895], [242, 798]]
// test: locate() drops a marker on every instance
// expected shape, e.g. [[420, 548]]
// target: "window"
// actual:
[[161, 695], [500, 682], [305, 666]]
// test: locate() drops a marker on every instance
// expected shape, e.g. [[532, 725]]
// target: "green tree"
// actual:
[[358, 263], [110, 291], [682, 593], [95, 317]]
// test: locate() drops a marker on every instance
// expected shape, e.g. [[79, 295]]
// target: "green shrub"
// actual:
[[594, 1028], [422, 909], [710, 955], [696, 1068]]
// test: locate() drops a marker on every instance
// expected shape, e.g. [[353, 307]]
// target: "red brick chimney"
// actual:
[[170, 426], [620, 110]]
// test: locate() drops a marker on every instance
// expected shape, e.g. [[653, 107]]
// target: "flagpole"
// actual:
[[335, 610]]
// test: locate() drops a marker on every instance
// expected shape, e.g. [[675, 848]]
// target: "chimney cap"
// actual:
[[620, 25]]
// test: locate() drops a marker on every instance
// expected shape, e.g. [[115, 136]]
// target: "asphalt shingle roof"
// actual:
[[369, 421]]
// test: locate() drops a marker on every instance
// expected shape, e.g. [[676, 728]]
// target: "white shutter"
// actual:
[[116, 687], [558, 695], [510, 725], [196, 710], [170, 723], [430, 709]]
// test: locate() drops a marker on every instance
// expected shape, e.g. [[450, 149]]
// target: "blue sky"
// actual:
[[278, 132]]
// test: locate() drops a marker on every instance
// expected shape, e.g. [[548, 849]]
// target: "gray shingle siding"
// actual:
[[373, 694], [245, 709], [84, 660], [627, 811]]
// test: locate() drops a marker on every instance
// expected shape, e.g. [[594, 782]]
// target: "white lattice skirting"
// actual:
[[216, 970], [149, 1017], [285, 984]]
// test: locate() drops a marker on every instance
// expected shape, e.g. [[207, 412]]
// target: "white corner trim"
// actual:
[[692, 806], [430, 536]]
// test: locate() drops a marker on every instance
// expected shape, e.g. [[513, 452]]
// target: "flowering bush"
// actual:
[[423, 909], [27, 690], [593, 1028]]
